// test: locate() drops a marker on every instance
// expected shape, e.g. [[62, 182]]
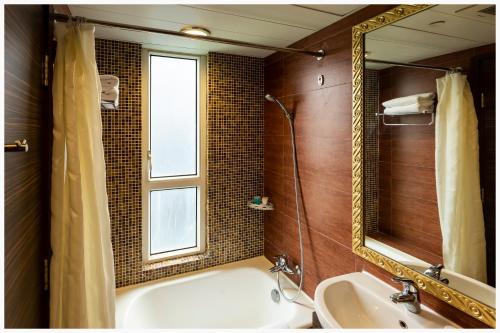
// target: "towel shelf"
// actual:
[[269, 206], [410, 124], [108, 105]]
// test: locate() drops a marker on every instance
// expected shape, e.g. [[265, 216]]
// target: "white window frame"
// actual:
[[199, 181]]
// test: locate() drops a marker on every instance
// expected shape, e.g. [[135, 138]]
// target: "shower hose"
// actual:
[[296, 183]]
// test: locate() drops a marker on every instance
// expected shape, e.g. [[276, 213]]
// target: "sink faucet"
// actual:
[[409, 296], [284, 264], [435, 273]]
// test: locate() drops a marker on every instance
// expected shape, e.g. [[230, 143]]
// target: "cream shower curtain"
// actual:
[[82, 285], [457, 178]]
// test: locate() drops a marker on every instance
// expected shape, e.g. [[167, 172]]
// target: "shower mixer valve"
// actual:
[[284, 264]]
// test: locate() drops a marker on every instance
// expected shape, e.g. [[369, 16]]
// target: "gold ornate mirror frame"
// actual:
[[451, 296]]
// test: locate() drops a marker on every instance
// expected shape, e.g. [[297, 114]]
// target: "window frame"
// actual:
[[150, 184]]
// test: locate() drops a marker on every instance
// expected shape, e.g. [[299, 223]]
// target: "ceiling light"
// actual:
[[196, 31]]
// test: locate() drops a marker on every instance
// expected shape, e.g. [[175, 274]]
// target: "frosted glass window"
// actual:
[[173, 116], [173, 219]]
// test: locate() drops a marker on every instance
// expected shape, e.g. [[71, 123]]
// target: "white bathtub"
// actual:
[[235, 295]]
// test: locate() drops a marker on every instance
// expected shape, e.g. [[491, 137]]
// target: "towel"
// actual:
[[409, 100], [110, 97], [109, 91], [410, 109], [109, 82]]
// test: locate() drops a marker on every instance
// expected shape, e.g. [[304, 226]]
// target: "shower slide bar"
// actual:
[[64, 18]]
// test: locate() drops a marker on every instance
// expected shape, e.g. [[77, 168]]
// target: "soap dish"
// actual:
[[269, 206]]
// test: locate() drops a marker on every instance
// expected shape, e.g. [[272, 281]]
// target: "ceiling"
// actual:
[[275, 25], [414, 38]]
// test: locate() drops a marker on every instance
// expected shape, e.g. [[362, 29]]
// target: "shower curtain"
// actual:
[[457, 178], [82, 285]]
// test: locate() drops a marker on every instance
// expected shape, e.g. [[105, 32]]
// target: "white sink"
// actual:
[[360, 300]]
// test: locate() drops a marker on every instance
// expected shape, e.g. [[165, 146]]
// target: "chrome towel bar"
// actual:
[[18, 145], [403, 124]]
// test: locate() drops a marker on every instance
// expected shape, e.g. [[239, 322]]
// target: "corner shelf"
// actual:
[[269, 206]]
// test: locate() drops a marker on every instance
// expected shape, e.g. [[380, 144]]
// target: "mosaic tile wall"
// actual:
[[371, 152], [235, 162]]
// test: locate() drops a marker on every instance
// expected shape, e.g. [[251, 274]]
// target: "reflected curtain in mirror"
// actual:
[[457, 178]]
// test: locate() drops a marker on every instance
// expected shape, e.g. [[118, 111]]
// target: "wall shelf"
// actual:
[[269, 206]]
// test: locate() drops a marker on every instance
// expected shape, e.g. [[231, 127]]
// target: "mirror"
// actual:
[[428, 172]]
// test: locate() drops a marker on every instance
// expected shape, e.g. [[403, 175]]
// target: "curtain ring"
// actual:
[[77, 20], [81, 20]]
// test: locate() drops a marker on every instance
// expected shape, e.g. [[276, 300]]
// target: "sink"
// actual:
[[360, 300]]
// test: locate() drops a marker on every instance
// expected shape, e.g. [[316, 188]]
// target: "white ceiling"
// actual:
[[275, 25], [413, 39]]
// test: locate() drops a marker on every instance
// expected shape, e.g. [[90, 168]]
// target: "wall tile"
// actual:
[[235, 162]]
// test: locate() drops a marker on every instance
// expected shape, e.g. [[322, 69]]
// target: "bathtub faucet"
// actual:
[[284, 264]]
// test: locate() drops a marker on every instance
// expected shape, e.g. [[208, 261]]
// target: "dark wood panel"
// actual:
[[323, 139], [483, 83], [26, 174]]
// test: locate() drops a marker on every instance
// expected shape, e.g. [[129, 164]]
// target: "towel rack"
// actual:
[[108, 105], [411, 124], [18, 145]]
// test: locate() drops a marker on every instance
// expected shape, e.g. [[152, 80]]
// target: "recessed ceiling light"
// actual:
[[196, 31]]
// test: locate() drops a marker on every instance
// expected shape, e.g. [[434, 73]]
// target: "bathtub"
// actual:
[[235, 295]]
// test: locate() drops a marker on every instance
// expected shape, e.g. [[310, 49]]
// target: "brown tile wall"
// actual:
[[235, 162], [323, 127]]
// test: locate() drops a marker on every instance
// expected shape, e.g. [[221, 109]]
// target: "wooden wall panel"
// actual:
[[323, 139], [25, 222], [323, 126]]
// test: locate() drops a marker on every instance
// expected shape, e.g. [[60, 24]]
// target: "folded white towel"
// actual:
[[409, 109], [110, 96], [409, 100], [109, 82]]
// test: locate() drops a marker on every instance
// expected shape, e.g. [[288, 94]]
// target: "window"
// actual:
[[174, 193]]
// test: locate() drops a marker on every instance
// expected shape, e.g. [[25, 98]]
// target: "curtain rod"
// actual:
[[403, 64], [64, 18]]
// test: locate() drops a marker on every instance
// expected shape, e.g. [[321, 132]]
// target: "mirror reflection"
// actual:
[[429, 145]]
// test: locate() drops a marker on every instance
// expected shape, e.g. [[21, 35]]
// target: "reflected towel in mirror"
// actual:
[[410, 109], [409, 100]]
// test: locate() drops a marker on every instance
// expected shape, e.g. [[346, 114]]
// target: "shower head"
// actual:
[[271, 98]]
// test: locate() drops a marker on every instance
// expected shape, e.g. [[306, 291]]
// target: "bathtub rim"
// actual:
[[130, 293]]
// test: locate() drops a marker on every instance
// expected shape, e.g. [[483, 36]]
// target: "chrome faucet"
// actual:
[[409, 296], [284, 264], [435, 273]]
